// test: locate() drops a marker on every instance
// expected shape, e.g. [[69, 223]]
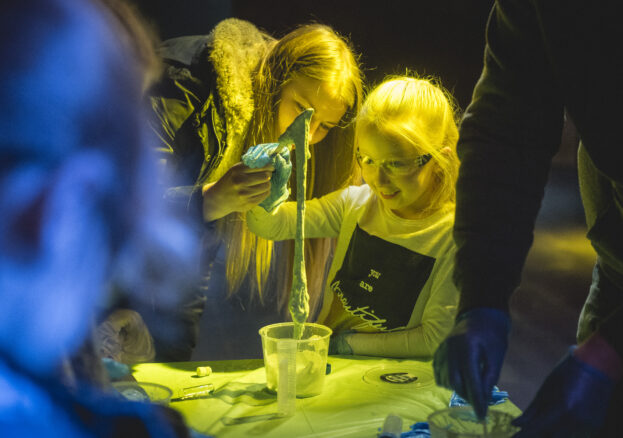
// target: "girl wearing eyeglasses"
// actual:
[[389, 290]]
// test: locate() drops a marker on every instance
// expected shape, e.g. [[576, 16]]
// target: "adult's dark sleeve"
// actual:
[[508, 136]]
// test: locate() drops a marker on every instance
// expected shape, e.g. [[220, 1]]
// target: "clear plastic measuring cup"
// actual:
[[310, 357]]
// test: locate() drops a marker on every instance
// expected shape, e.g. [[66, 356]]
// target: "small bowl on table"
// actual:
[[146, 392]]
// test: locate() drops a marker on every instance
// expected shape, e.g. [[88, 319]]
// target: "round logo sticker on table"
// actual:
[[400, 376]]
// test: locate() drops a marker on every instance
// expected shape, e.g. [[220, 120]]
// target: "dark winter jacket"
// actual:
[[204, 103], [202, 109], [542, 57]]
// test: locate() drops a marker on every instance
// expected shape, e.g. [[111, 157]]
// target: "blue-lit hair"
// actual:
[[77, 199]]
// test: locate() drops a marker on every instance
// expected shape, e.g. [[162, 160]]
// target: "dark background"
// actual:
[[443, 38]]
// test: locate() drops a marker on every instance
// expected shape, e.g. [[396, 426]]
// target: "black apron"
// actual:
[[380, 281]]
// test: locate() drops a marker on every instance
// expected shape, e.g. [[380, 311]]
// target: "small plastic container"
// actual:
[[461, 422], [144, 392], [311, 356], [392, 427]]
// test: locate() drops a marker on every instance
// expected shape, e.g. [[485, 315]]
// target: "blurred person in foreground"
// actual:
[[77, 211], [543, 58]]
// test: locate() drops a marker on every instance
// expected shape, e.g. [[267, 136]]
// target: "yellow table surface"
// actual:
[[354, 401]]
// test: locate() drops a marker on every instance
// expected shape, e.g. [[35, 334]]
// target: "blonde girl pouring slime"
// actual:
[[389, 290]]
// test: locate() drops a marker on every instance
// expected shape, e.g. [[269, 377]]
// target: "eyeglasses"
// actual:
[[393, 167]]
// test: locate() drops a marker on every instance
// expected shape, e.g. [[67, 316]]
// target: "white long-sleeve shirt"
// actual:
[[390, 279]]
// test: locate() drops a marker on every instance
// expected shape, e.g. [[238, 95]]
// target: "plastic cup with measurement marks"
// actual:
[[311, 356]]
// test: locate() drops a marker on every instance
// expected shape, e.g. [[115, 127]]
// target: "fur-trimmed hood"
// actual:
[[234, 48]]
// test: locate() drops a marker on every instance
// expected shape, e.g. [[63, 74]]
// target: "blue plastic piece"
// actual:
[[497, 397], [418, 430]]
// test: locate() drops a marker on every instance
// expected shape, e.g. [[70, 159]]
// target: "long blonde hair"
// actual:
[[419, 112], [317, 52]]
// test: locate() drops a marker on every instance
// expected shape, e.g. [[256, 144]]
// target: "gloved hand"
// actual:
[[338, 343], [572, 402], [470, 359], [124, 337], [262, 154]]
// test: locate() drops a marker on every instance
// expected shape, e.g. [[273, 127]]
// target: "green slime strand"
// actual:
[[298, 133]]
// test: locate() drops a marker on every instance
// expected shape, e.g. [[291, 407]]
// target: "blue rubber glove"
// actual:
[[262, 154], [572, 402], [470, 359]]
